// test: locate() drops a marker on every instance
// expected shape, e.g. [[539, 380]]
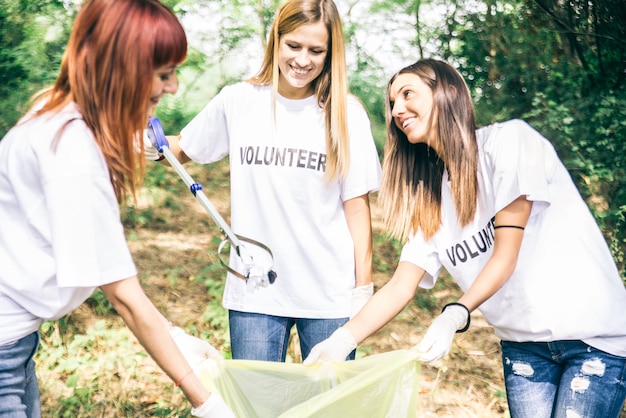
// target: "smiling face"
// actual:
[[301, 57], [163, 81], [411, 101]]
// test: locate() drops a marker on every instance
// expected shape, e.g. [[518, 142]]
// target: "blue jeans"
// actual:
[[255, 336], [562, 379], [19, 391]]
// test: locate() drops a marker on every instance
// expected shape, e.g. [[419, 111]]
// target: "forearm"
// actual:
[[358, 216], [386, 303], [509, 234], [489, 281], [175, 148], [152, 332]]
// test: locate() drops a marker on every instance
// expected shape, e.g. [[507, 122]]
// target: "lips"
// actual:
[[299, 73], [406, 122]]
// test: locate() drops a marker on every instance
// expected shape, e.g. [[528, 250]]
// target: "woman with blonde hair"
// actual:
[[64, 168], [497, 209], [302, 165]]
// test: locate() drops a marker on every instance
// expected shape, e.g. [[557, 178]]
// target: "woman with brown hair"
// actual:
[[497, 209], [64, 168]]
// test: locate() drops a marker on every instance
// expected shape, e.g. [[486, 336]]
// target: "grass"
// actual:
[[101, 372]]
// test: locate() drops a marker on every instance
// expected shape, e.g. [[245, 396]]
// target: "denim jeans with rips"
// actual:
[[255, 336], [19, 391], [562, 379]]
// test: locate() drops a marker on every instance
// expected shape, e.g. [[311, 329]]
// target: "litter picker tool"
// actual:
[[254, 275]]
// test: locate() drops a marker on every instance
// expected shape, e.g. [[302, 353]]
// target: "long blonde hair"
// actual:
[[331, 87], [410, 193], [107, 70]]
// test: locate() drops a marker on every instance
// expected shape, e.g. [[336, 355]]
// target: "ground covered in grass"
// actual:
[[90, 365]]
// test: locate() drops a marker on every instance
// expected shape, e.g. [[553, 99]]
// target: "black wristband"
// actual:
[[160, 158], [466, 327], [509, 226]]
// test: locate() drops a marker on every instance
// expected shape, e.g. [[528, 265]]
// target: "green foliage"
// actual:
[[425, 300], [85, 371], [99, 303], [133, 217], [33, 37], [366, 84], [157, 180], [78, 403], [590, 136], [560, 66], [213, 276], [385, 249]]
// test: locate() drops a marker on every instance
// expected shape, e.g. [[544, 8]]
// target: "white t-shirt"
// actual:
[[60, 234], [280, 198], [566, 285]]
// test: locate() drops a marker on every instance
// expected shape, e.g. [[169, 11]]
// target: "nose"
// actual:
[[397, 109], [302, 59], [171, 86]]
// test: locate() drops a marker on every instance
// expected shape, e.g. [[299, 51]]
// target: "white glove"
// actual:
[[334, 348], [149, 150], [360, 296], [213, 407], [194, 349], [438, 339]]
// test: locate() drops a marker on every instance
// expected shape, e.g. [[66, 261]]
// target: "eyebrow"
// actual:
[[287, 39], [402, 87], [395, 94]]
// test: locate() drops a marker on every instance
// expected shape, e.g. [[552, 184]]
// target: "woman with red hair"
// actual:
[[64, 168]]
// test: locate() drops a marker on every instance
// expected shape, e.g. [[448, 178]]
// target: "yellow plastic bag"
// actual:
[[382, 385]]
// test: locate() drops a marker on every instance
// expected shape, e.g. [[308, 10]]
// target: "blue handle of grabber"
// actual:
[[157, 134]]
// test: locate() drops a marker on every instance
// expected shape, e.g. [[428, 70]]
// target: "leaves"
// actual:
[[558, 64]]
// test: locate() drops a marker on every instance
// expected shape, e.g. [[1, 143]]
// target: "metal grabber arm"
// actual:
[[254, 275]]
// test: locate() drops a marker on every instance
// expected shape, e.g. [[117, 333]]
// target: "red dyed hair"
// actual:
[[107, 70]]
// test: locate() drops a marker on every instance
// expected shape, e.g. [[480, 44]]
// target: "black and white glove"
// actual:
[[335, 348], [213, 407], [438, 339]]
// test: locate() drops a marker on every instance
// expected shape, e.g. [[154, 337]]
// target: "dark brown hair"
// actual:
[[410, 193]]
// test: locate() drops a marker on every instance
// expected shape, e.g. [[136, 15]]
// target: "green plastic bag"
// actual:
[[382, 385]]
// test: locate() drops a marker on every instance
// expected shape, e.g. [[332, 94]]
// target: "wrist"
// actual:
[[180, 380], [344, 335], [460, 313], [366, 289], [205, 407]]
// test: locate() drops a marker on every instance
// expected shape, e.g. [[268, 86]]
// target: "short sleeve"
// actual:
[[87, 235], [205, 139], [424, 255], [521, 162]]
